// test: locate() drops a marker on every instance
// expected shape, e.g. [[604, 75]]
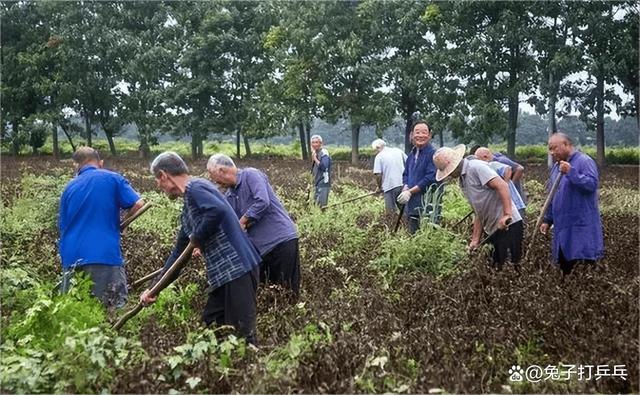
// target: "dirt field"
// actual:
[[420, 333]]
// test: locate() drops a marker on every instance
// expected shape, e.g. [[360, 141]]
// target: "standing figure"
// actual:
[[574, 212], [264, 218], [89, 224], [230, 259], [321, 170], [388, 167], [419, 173]]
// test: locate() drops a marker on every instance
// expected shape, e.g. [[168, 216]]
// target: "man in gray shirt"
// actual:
[[489, 195], [388, 167]]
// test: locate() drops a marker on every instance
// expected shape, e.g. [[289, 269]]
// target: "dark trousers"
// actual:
[[282, 266], [109, 283], [234, 303], [567, 266], [505, 241]]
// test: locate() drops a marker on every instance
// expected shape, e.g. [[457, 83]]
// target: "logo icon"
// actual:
[[515, 373]]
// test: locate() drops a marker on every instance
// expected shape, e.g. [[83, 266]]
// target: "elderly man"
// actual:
[[517, 170], [263, 216], [504, 171], [419, 173], [230, 260], [321, 170], [488, 194], [89, 223], [388, 167], [574, 211]]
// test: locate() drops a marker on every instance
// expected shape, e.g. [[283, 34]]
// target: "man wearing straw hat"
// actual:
[[488, 194]]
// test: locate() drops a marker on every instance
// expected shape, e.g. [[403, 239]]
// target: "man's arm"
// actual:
[[502, 189], [131, 211], [260, 201], [517, 173], [476, 234]]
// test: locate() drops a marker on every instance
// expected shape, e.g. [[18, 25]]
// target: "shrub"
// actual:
[[431, 249]]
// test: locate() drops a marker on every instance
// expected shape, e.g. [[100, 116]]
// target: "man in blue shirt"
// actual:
[[574, 211], [419, 173], [230, 258], [263, 216], [89, 224], [321, 170]]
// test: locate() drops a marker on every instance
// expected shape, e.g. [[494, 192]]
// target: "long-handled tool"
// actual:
[[128, 221], [545, 207], [395, 228], [486, 239], [163, 283], [146, 278], [350, 200], [463, 218]]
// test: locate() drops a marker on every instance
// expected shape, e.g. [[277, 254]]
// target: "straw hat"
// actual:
[[447, 159]]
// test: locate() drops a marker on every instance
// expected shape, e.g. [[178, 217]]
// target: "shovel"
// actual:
[[128, 221], [163, 283], [545, 207], [350, 200]]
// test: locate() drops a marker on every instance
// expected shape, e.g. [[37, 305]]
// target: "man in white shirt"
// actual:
[[388, 167]]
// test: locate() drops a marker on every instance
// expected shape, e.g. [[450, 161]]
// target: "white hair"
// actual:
[[378, 144], [169, 162], [219, 160], [316, 137]]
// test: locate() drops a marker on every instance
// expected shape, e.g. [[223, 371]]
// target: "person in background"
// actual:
[[517, 170], [504, 171], [264, 218], [419, 173], [89, 224], [230, 259], [574, 212], [488, 194], [321, 170], [388, 167]]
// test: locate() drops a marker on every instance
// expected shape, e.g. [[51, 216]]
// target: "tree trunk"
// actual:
[[441, 133], [87, 126], [407, 134], [238, 143], [552, 113], [143, 149], [54, 141], [355, 140], [112, 145], [308, 136], [195, 141], [73, 146], [247, 148], [303, 142], [15, 140], [600, 158]]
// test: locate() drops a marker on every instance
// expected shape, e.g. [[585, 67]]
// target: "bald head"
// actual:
[[485, 154], [560, 146], [86, 155]]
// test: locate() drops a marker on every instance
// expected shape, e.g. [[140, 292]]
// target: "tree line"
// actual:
[[259, 69]]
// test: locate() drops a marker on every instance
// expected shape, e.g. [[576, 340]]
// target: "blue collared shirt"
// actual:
[[420, 171], [89, 218], [253, 197]]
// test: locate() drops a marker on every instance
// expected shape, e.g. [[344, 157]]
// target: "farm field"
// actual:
[[379, 312]]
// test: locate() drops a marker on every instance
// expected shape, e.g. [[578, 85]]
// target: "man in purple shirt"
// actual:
[[262, 215], [574, 211]]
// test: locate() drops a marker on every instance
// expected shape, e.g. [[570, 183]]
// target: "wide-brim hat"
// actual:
[[447, 159]]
